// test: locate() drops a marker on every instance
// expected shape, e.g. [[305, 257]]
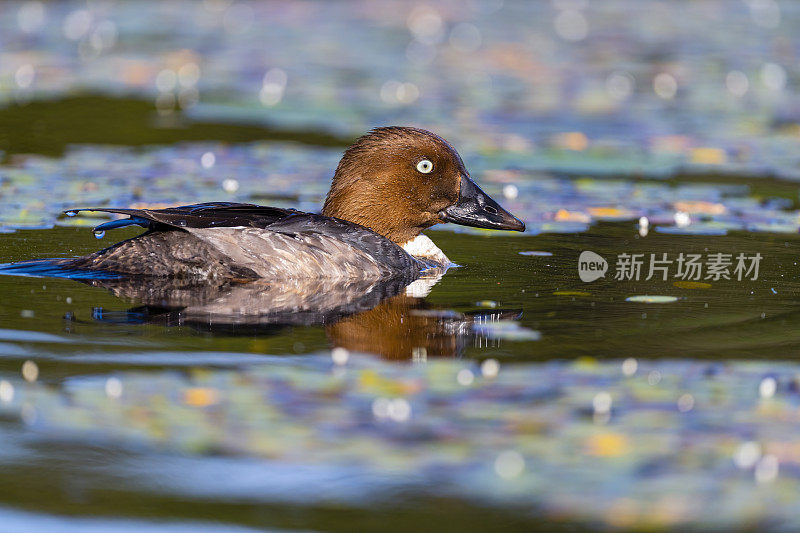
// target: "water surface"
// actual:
[[509, 392], [258, 423]]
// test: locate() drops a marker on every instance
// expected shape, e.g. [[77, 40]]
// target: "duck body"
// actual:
[[389, 186], [246, 241]]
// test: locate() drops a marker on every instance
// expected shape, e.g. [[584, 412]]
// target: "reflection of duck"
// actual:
[[403, 327], [247, 306], [386, 317], [389, 186]]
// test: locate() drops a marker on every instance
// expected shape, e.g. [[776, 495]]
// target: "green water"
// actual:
[[47, 127], [58, 474], [158, 457], [507, 395], [727, 319]]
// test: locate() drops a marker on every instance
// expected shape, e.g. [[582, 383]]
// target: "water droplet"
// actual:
[[747, 454], [509, 464], [685, 403], [208, 159], [399, 410], [510, 191], [113, 388], [230, 185], [380, 407], [6, 391], [602, 402], [30, 371], [465, 377], [99, 234], [340, 356], [767, 387], [490, 368], [629, 366], [682, 219], [71, 213]]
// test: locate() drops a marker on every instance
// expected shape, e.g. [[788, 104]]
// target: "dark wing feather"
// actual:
[[208, 215], [305, 230]]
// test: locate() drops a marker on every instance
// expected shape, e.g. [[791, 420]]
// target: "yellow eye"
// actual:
[[425, 166]]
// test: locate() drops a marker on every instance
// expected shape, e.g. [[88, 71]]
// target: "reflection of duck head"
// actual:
[[405, 328]]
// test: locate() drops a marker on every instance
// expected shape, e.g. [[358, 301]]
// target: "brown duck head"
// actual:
[[399, 181]]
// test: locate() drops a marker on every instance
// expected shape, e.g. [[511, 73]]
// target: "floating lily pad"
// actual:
[[691, 285], [572, 293], [651, 299]]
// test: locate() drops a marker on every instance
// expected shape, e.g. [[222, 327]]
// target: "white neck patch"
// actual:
[[422, 247]]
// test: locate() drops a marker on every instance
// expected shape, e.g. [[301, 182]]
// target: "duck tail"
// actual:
[[53, 268]]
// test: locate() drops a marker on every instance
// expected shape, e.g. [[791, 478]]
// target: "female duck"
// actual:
[[390, 185]]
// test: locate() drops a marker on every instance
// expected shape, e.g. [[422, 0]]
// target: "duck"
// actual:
[[390, 185]]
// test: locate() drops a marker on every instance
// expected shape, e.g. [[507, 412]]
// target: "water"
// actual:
[[521, 389], [718, 320], [213, 415], [510, 382]]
